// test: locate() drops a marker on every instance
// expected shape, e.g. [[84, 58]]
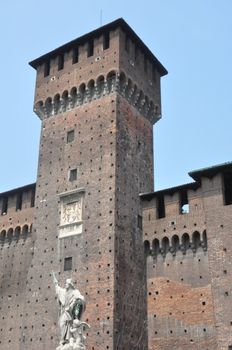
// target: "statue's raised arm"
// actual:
[[55, 281]]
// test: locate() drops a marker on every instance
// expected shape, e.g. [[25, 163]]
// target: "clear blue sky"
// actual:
[[191, 38]]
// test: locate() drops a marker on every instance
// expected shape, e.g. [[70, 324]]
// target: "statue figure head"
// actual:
[[69, 284]]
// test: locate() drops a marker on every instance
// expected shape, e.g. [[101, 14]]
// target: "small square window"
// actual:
[[73, 175], [68, 264], [70, 136]]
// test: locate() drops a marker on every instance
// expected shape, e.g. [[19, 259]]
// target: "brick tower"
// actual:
[[98, 98]]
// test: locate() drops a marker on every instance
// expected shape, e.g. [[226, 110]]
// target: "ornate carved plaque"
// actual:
[[71, 213]]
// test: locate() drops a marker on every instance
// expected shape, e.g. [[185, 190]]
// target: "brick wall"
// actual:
[[16, 253], [180, 301]]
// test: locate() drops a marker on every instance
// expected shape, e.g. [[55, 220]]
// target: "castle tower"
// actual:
[[98, 98]]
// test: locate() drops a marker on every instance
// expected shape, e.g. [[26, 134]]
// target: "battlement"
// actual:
[[187, 198], [183, 228], [109, 59], [17, 209], [86, 45]]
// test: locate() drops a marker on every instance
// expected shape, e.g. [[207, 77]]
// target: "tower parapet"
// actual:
[[110, 58]]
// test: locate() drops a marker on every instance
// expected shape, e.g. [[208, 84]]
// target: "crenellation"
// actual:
[[17, 200], [76, 70], [133, 64], [184, 247], [17, 219]]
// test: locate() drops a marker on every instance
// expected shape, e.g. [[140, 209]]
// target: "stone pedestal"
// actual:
[[74, 346]]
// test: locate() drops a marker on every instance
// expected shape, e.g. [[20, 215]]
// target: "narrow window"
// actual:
[[60, 62], [4, 205], [140, 222], [106, 41], [68, 264], [183, 200], [227, 180], [127, 46], [75, 55], [230, 347], [160, 207], [19, 200], [33, 198], [90, 48], [70, 136], [46, 68], [73, 175]]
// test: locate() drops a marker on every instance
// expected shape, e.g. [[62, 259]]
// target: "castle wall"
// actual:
[[16, 254], [218, 216], [157, 263], [180, 300]]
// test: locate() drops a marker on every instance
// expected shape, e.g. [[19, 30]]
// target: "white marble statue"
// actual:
[[71, 307]]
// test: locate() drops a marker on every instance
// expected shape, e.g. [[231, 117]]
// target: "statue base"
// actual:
[[71, 347]]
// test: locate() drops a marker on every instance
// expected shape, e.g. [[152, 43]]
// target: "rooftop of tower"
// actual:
[[119, 23]]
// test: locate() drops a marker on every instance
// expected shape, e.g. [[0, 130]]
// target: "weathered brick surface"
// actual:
[[73, 75], [16, 253], [175, 296], [219, 221], [134, 175], [92, 152], [189, 288], [112, 152]]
